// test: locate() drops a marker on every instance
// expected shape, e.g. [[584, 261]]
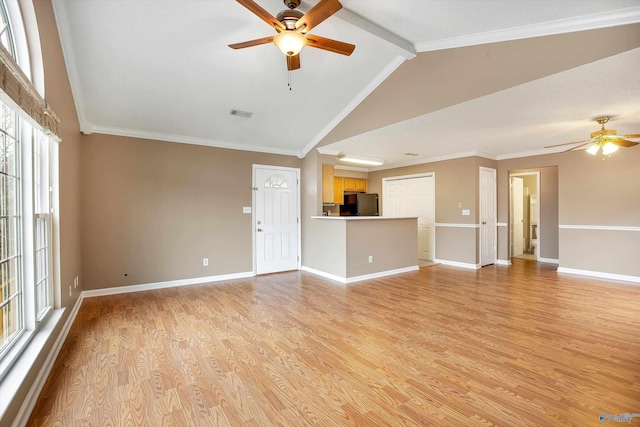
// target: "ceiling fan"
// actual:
[[607, 139], [293, 28]]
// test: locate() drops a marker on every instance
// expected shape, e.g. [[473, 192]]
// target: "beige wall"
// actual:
[[153, 210], [456, 181], [58, 95]]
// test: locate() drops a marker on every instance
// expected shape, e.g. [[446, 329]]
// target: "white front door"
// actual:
[[488, 218], [517, 220], [276, 224]]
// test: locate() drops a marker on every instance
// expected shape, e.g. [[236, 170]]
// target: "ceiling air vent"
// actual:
[[240, 113], [410, 154]]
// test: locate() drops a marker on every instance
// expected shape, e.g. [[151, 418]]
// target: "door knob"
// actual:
[[259, 230], [484, 223]]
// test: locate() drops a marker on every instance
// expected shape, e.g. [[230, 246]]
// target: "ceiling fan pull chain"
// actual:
[[289, 80]]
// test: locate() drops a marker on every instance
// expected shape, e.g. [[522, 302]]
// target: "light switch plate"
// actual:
[[466, 211], [246, 209]]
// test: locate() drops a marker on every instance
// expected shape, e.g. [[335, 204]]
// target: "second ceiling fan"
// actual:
[[293, 27]]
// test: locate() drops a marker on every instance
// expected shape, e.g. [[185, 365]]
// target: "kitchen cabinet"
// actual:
[[341, 184], [355, 184], [328, 195], [338, 190]]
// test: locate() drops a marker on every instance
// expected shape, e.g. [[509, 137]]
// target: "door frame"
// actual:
[[417, 175], [481, 208], [254, 188], [509, 231]]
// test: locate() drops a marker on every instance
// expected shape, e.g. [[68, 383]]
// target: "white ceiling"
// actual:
[[162, 70]]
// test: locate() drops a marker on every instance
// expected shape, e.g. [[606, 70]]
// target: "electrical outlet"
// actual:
[[70, 291], [459, 204], [370, 259], [205, 262]]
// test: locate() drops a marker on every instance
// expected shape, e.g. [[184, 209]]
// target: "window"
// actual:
[[27, 278]]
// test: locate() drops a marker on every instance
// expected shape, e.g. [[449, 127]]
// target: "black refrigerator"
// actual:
[[360, 204]]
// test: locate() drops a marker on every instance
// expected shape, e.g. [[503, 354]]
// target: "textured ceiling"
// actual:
[[162, 70]]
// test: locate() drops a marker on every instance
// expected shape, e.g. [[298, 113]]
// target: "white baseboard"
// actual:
[[347, 280], [162, 285], [382, 274], [34, 392], [324, 274], [600, 274], [549, 260], [458, 264], [503, 262]]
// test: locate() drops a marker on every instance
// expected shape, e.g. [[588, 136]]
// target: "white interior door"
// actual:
[[414, 196], [275, 217], [517, 223], [488, 217]]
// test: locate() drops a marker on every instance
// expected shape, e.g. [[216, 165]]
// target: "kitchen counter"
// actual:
[[365, 217], [352, 248]]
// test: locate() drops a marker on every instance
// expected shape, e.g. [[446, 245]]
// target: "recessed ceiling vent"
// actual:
[[410, 154], [240, 113]]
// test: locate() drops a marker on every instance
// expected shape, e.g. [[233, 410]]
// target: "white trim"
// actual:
[[366, 91], [163, 285], [503, 262], [549, 260], [599, 274], [326, 275], [382, 274], [581, 23], [424, 160], [452, 225], [599, 227], [501, 224], [458, 264], [347, 280], [34, 392], [537, 174]]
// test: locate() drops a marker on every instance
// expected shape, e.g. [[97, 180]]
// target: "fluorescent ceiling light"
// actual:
[[360, 160]]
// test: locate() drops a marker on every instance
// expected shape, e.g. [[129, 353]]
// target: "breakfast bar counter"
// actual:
[[353, 248]]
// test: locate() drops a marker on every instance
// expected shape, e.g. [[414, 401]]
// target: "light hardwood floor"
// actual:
[[507, 346]]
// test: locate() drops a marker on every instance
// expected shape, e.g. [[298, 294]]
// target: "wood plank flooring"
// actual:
[[504, 346]]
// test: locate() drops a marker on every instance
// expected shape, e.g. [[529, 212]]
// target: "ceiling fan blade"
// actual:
[[624, 143], [317, 14], [250, 43], [293, 62], [632, 136], [576, 147], [568, 143], [330, 45], [263, 14]]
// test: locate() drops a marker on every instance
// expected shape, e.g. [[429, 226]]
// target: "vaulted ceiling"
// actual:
[[436, 78]]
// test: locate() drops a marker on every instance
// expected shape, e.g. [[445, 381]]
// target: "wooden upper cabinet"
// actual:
[[350, 184], [328, 195], [338, 190], [361, 184]]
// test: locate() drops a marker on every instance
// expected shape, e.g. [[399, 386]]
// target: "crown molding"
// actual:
[[613, 18]]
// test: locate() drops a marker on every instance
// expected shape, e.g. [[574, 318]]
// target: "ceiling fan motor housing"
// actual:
[[292, 4], [289, 18]]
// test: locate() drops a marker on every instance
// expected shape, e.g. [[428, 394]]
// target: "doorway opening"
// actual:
[[524, 215]]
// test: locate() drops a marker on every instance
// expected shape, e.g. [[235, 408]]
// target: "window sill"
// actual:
[[16, 367]]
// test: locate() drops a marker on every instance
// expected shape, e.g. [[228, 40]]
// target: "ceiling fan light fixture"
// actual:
[[609, 148], [360, 160], [290, 42], [593, 150]]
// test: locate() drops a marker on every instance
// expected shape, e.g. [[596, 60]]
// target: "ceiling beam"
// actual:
[[404, 47]]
